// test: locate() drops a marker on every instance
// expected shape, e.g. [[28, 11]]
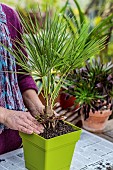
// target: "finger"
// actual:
[[37, 132], [37, 127], [27, 115], [26, 125], [24, 130], [40, 127], [30, 117], [38, 124]]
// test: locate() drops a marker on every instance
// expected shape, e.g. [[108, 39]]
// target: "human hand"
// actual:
[[33, 103], [37, 110], [22, 121]]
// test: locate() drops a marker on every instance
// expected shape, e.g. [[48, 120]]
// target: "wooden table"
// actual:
[[75, 119], [108, 132]]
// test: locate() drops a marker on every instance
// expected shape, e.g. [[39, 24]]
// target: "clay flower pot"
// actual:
[[67, 101], [96, 121]]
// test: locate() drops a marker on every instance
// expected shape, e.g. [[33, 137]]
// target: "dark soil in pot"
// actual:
[[60, 129]]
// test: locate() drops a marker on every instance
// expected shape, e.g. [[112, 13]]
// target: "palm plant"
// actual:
[[54, 48]]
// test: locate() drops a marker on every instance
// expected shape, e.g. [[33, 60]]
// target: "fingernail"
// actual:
[[36, 131], [41, 131], [42, 127], [30, 132]]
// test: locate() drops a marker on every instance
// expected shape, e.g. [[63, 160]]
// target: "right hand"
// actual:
[[21, 121]]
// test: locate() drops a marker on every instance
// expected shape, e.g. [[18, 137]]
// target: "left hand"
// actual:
[[32, 102], [34, 105]]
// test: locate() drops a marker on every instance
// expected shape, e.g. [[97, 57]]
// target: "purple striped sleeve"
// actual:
[[25, 81]]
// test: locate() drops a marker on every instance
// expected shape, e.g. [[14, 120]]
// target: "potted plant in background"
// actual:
[[75, 18], [53, 48], [93, 88], [75, 21]]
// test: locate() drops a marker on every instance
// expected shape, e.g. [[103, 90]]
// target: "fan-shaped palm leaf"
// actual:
[[54, 48]]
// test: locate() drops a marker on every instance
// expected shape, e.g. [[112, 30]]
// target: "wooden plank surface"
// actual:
[[108, 132], [74, 118]]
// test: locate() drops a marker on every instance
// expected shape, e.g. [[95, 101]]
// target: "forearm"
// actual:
[[3, 112], [32, 102], [21, 121]]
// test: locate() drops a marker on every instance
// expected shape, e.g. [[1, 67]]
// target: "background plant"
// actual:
[[92, 86], [102, 20], [97, 10], [54, 48]]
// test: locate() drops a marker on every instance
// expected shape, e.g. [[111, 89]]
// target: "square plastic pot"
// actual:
[[49, 154]]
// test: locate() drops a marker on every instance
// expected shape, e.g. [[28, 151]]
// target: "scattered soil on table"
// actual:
[[2, 160], [60, 129], [106, 166], [109, 168]]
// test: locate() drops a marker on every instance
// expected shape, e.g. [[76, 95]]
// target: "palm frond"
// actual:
[[54, 48]]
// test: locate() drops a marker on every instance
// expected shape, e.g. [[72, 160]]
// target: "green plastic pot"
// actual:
[[49, 154]]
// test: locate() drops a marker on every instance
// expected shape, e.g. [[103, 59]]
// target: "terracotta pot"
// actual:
[[96, 121], [67, 101]]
